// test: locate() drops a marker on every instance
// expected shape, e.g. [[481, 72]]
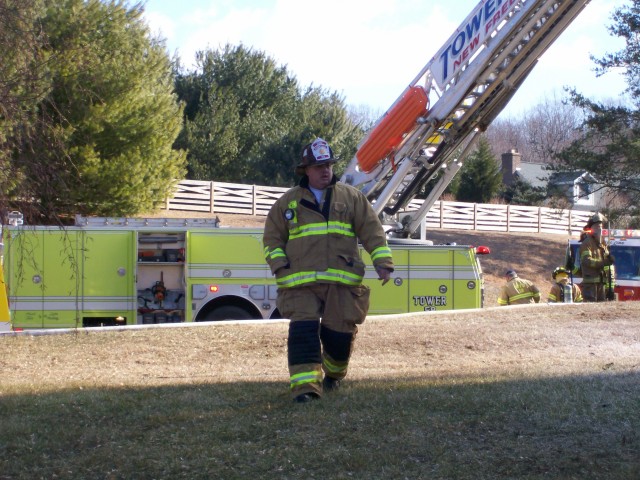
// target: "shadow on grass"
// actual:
[[572, 427]]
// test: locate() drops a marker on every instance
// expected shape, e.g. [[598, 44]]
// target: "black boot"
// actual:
[[306, 397], [330, 384]]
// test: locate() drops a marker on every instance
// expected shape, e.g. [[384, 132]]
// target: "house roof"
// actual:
[[534, 173]]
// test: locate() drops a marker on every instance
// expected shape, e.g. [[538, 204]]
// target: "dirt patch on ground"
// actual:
[[548, 340]]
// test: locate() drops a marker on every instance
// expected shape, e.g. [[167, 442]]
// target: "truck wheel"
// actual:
[[227, 312]]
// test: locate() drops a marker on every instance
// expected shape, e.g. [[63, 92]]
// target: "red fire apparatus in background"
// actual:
[[625, 248]]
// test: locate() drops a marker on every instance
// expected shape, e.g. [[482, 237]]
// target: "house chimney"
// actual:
[[510, 166]]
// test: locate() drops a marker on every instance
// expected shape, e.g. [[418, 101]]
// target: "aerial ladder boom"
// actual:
[[462, 89]]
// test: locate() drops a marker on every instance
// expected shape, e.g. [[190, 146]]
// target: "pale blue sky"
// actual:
[[369, 50]]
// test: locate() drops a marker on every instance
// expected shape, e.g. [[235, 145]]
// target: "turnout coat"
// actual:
[[307, 243]]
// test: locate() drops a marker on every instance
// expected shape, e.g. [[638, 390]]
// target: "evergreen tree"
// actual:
[[246, 118], [609, 148], [108, 118], [522, 192], [23, 84], [480, 176]]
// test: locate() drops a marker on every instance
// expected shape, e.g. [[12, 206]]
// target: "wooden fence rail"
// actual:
[[219, 197]]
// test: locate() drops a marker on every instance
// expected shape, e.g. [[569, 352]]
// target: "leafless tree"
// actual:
[[505, 135], [542, 130], [549, 127]]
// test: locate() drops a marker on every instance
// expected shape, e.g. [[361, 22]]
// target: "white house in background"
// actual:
[[580, 188]]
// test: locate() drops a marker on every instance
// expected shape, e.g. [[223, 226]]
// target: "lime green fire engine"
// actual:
[[123, 271]]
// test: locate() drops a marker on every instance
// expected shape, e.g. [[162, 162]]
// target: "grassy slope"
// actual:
[[533, 256]]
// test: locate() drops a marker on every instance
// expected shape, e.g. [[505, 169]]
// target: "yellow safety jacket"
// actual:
[[305, 242], [594, 260], [557, 292], [518, 291]]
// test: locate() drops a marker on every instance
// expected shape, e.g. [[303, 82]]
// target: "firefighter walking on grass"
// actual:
[[517, 291], [311, 245], [596, 263]]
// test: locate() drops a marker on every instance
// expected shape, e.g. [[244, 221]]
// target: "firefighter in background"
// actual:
[[596, 264], [517, 291], [573, 264], [573, 260], [557, 294], [311, 245]]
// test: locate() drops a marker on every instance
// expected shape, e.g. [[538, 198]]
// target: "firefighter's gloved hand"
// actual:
[[611, 259], [384, 274]]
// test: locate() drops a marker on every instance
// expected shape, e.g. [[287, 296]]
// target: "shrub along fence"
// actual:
[[219, 197]]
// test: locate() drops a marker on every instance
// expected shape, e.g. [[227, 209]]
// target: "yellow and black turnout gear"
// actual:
[[598, 274], [518, 291], [312, 249], [557, 292]]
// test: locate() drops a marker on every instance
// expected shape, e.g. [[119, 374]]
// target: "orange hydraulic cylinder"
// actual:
[[388, 134]]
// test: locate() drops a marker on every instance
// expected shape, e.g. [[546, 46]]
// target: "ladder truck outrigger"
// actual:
[[453, 98]]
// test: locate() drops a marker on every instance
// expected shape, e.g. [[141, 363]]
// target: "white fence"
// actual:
[[218, 197]]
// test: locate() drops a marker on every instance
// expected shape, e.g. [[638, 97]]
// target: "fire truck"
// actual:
[[5, 317], [132, 271], [624, 245], [117, 271]]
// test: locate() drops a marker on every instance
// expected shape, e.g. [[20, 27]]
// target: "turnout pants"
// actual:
[[593, 292], [324, 323]]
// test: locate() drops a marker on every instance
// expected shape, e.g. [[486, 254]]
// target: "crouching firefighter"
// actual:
[[311, 245], [564, 291]]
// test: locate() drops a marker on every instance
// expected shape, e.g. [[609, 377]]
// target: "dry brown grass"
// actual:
[[534, 256], [556, 340]]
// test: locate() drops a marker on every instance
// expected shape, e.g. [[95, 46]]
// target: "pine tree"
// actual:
[[480, 176], [609, 148], [109, 118], [247, 119], [522, 192]]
